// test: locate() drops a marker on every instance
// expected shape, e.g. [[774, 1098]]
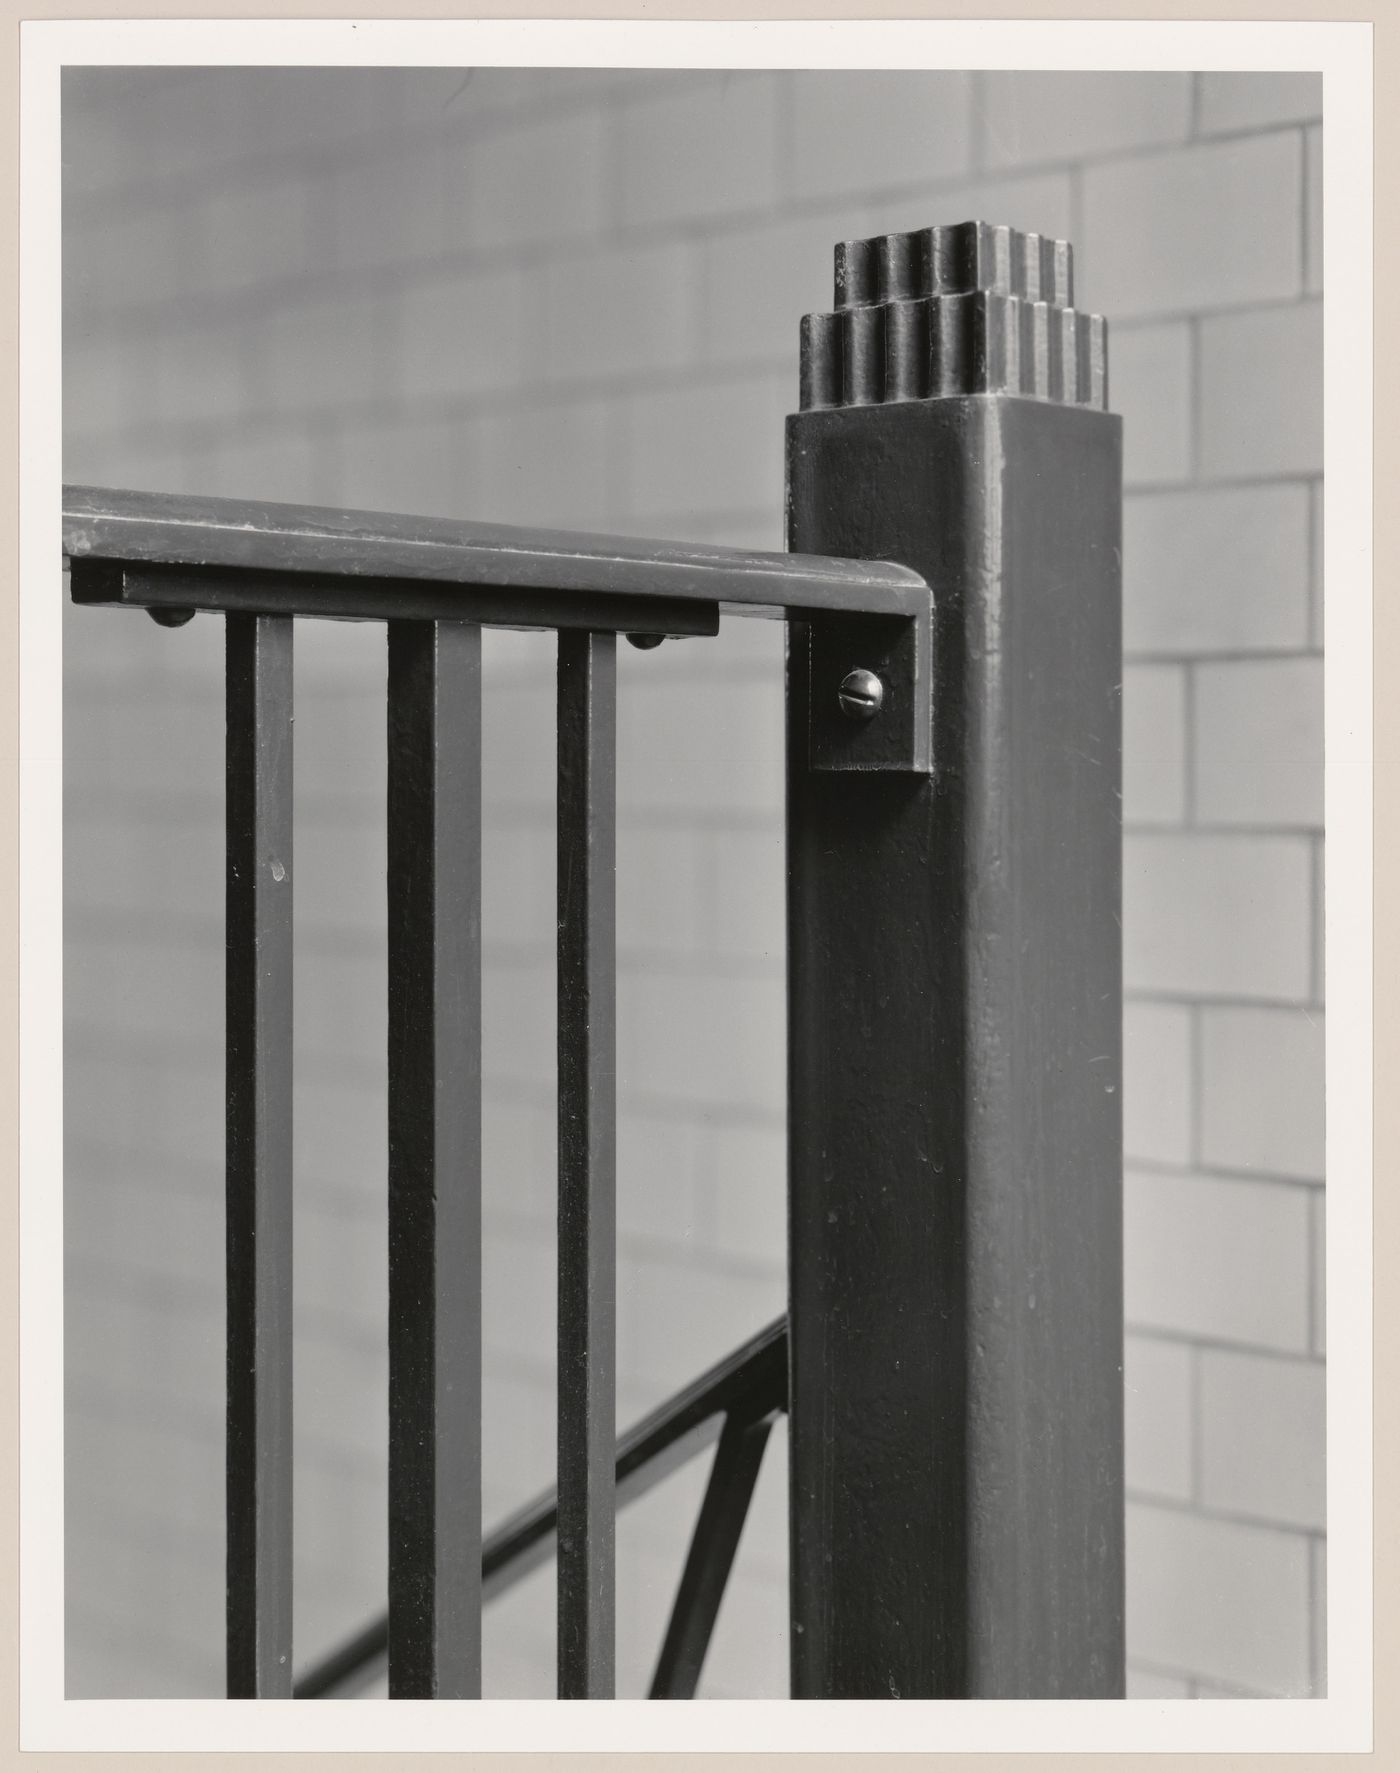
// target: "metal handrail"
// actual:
[[175, 552]]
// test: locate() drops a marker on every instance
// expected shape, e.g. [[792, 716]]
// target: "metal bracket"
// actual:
[[899, 736]]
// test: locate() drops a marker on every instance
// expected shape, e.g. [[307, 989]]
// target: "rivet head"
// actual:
[[645, 642], [862, 694]]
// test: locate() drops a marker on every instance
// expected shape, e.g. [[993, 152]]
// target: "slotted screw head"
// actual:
[[862, 694]]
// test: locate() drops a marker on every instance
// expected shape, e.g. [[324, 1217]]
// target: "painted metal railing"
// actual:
[[734, 1404], [952, 1357]]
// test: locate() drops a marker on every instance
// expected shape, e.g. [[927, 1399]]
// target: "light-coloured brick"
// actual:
[[336, 1125], [517, 738], [674, 1321], [1258, 751], [340, 1531], [759, 281], [1261, 392], [1262, 1078], [518, 1302], [657, 1173], [162, 996], [129, 1457], [715, 447], [1217, 916], [714, 746], [340, 1392], [749, 888], [1150, 385], [1251, 101], [133, 260], [748, 1193], [413, 467], [700, 153], [108, 142], [261, 233], [646, 1582], [157, 1322], [1313, 233], [1157, 1425], [99, 391], [178, 1576], [859, 131], [1223, 571], [518, 1638], [342, 722], [1263, 1437], [171, 1120], [1213, 1257], [341, 1009], [546, 465], [1219, 1595], [1318, 1286], [1319, 1616], [517, 1160], [713, 1041], [518, 1434], [619, 313], [337, 660], [515, 658], [460, 336], [340, 1266], [749, 1654], [396, 210], [518, 1029], [1208, 227], [491, 94], [518, 885], [1157, 1082], [198, 376], [135, 866], [542, 182], [1154, 744], [1072, 116], [153, 461], [332, 351], [659, 891], [291, 110], [1147, 1683]]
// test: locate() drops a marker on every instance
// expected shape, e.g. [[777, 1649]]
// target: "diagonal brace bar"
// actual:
[[738, 1458]]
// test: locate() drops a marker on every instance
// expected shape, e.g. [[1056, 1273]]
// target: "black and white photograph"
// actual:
[[695, 964]]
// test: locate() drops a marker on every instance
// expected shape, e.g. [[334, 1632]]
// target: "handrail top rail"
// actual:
[[194, 532]]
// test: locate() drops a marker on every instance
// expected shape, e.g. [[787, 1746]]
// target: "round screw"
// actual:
[[645, 642], [170, 618], [862, 694]]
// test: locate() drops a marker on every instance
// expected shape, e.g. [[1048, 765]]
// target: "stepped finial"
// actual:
[[963, 309]]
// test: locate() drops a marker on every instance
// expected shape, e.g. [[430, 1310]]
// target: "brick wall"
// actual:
[[571, 297]]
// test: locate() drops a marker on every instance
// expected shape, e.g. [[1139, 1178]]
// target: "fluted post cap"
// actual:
[[963, 309]]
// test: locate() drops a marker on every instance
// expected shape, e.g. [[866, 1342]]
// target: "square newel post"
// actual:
[[954, 954]]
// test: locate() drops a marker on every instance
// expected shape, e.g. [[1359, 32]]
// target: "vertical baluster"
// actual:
[[434, 1160], [258, 1154], [587, 731]]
